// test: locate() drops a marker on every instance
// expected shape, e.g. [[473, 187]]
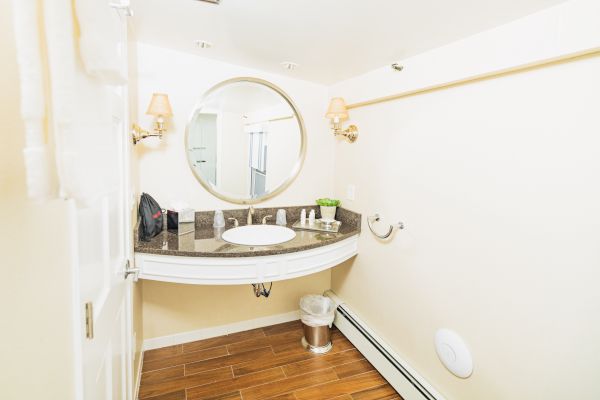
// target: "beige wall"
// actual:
[[35, 297], [171, 308], [497, 183], [165, 174]]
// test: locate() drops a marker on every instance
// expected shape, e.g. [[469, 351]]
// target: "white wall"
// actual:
[[164, 172], [234, 175], [497, 183], [278, 160], [282, 140]]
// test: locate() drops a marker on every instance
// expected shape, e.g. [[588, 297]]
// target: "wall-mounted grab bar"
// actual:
[[375, 218]]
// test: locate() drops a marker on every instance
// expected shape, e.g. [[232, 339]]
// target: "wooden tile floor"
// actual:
[[265, 363]]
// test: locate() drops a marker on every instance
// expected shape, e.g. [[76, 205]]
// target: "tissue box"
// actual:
[[187, 215], [181, 222]]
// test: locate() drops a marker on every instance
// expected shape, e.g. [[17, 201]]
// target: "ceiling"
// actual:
[[331, 40]]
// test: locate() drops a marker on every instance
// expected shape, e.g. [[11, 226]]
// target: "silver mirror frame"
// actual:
[[297, 166]]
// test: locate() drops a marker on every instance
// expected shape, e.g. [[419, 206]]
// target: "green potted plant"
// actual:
[[328, 207]]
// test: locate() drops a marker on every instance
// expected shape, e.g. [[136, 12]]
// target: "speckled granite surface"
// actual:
[[206, 241]]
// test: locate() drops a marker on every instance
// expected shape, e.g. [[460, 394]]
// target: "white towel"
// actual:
[[100, 42], [39, 175], [59, 33], [40, 186], [83, 113], [80, 105]]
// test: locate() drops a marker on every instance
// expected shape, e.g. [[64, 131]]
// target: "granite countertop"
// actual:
[[206, 241]]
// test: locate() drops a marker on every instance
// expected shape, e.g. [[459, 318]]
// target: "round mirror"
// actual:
[[245, 141]]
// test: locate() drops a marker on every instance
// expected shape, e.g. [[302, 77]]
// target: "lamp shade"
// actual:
[[159, 105], [337, 108]]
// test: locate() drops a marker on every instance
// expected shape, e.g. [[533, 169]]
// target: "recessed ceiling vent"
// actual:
[[211, 1]]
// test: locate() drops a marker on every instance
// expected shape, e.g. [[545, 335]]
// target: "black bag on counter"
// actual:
[[151, 215]]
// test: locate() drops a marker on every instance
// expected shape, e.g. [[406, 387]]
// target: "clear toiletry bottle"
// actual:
[[281, 217], [303, 217], [219, 219], [311, 217]]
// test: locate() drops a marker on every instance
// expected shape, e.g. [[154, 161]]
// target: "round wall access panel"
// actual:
[[453, 353]]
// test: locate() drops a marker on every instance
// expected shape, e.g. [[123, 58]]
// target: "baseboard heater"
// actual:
[[407, 382]]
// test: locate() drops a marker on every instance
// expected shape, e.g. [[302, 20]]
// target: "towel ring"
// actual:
[[376, 218]]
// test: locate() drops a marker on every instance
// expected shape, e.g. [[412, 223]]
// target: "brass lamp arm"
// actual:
[[137, 133], [350, 133]]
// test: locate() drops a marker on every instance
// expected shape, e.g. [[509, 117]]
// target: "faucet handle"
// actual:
[[235, 222], [266, 218]]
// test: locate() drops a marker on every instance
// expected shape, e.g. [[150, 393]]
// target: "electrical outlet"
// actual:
[[351, 192]]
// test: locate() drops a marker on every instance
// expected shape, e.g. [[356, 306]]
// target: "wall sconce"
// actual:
[[160, 108], [336, 113]]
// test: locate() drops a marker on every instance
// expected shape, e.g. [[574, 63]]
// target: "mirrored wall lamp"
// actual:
[[160, 108], [336, 113]]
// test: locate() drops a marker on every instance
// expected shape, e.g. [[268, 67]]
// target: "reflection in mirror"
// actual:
[[245, 141]]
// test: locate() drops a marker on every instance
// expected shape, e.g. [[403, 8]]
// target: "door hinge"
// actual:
[[89, 320]]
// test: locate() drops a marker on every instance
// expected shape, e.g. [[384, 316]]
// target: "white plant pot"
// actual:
[[328, 213]]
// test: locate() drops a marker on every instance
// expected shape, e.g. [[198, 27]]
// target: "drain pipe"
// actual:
[[260, 289]]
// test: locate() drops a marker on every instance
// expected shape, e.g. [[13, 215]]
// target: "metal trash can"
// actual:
[[317, 314]]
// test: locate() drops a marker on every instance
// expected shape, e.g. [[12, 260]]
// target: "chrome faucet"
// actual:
[[235, 222], [250, 214]]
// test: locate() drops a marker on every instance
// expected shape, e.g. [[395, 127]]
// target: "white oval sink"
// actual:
[[258, 235]]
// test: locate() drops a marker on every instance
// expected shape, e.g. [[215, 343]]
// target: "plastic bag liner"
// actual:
[[151, 215], [316, 310]]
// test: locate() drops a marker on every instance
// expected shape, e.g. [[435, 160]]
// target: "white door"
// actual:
[[101, 231], [101, 252]]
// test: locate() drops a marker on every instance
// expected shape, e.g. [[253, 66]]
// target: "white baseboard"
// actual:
[[214, 331], [394, 368]]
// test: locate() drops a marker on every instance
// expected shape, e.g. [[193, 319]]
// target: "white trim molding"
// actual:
[[244, 270], [214, 331]]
